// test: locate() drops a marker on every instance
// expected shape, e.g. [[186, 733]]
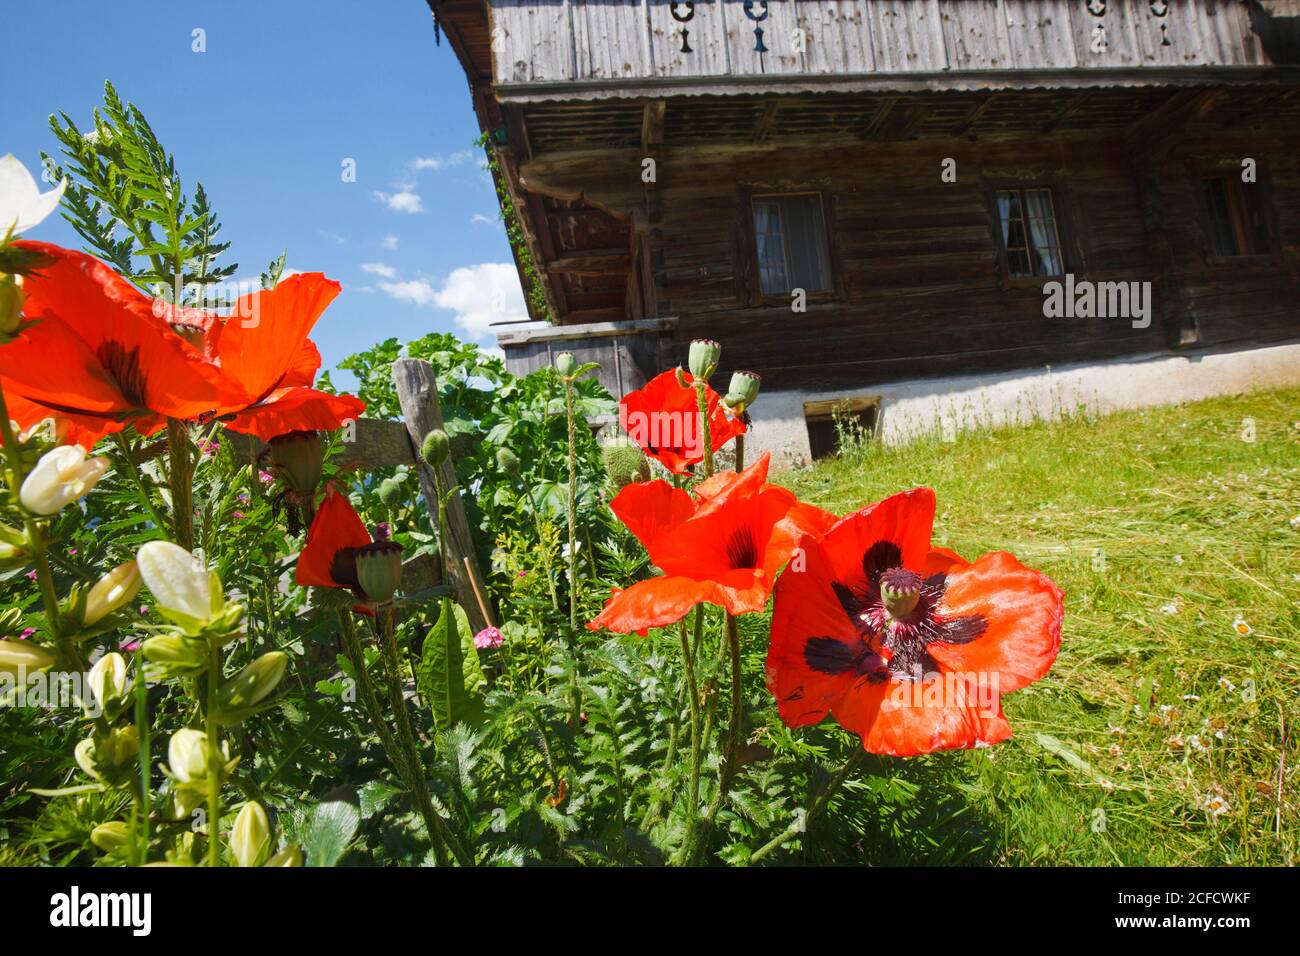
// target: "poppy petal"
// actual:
[[909, 718], [262, 339], [1021, 610], [302, 371], [898, 528], [805, 609], [296, 409], [653, 603], [650, 509], [335, 527]]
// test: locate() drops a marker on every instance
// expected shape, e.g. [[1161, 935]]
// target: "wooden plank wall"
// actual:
[[916, 259], [544, 41]]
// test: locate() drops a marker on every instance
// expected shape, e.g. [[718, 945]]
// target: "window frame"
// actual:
[[749, 287], [1231, 172], [1072, 258]]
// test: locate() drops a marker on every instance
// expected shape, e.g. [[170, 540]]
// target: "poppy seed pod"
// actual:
[[112, 592], [743, 390], [250, 836], [390, 493], [62, 476], [900, 592], [18, 656], [379, 569], [435, 447], [296, 460], [566, 364], [702, 360], [507, 461]]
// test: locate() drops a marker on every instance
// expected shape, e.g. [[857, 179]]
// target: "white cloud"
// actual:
[[401, 201], [333, 237], [389, 242], [436, 163], [414, 291], [480, 296], [479, 217], [379, 269]]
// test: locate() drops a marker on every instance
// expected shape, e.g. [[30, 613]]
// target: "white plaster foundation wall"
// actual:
[[912, 408]]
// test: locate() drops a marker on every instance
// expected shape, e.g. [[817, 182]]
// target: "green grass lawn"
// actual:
[[1161, 734]]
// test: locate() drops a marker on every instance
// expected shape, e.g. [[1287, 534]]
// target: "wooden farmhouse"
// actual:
[[909, 213]]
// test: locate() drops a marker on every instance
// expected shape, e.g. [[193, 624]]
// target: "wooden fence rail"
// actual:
[[371, 444]]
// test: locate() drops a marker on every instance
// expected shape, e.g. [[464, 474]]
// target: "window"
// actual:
[[790, 239], [1031, 242], [1237, 225]]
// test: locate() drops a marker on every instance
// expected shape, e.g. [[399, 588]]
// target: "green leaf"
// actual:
[[449, 678], [327, 830]]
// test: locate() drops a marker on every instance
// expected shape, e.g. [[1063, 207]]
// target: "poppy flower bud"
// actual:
[[112, 592], [625, 463], [187, 755], [379, 568], [11, 305], [900, 592], [62, 476], [250, 836], [290, 856], [390, 493], [23, 655], [110, 836], [176, 655], [743, 391], [702, 360], [436, 447], [107, 679], [507, 461], [296, 460], [184, 590], [566, 364], [251, 686]]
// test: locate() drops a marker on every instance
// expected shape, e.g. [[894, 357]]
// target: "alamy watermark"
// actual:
[[1085, 299]]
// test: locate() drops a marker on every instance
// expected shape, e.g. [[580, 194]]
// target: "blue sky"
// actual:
[[265, 117]]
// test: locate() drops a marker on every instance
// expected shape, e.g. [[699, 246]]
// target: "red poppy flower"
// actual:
[[907, 645], [95, 352], [725, 549], [664, 419], [82, 430], [264, 350], [334, 541]]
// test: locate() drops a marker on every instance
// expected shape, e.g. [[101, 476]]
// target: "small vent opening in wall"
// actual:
[[834, 422]]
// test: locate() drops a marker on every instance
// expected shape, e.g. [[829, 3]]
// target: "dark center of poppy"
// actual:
[[897, 618], [123, 365], [742, 549]]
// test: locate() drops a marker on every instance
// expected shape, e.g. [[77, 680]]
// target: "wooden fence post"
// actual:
[[417, 392]]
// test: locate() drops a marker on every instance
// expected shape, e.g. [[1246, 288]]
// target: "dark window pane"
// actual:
[[1018, 263], [790, 239], [1223, 240]]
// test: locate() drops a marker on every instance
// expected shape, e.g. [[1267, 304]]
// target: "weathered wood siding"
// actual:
[[556, 41], [920, 292]]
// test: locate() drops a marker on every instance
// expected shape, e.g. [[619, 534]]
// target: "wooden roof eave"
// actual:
[[963, 81]]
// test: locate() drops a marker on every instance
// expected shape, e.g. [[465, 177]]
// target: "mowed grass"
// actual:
[[1166, 732]]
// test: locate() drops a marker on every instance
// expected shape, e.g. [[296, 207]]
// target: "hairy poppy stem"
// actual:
[[740, 452], [352, 647], [706, 433], [818, 804], [181, 480], [693, 787], [440, 834], [731, 754], [138, 480], [573, 551]]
